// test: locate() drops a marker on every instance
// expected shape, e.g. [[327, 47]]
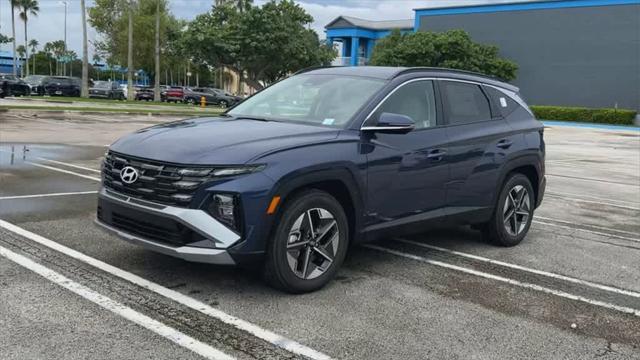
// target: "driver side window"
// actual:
[[416, 100]]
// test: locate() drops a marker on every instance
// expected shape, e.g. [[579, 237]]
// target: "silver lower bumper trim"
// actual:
[[189, 253], [198, 220]]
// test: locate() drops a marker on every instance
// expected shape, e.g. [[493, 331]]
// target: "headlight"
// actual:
[[226, 209], [231, 171]]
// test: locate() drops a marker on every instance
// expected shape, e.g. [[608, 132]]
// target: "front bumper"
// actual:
[[207, 240]]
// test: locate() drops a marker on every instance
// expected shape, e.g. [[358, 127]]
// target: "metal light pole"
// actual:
[[65, 3]]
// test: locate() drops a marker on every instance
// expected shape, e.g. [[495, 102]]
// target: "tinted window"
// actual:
[[503, 102], [465, 103], [416, 100]]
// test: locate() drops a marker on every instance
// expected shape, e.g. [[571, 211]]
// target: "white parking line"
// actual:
[[47, 195], [178, 297], [485, 275], [526, 269], [63, 171], [117, 308], [568, 198], [585, 196], [588, 231], [71, 165]]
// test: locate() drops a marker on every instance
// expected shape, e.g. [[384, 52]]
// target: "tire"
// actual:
[[507, 227], [224, 104], [121, 97], [285, 264], [191, 101]]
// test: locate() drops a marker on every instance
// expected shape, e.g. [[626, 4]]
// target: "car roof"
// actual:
[[388, 73]]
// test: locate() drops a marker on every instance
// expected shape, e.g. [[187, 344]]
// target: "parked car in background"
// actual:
[[174, 94], [107, 90], [212, 96], [13, 86], [290, 178], [36, 84], [144, 93], [61, 86]]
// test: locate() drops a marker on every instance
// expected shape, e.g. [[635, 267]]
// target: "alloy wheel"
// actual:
[[516, 210], [312, 243]]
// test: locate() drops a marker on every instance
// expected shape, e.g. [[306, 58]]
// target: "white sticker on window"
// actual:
[[328, 121], [503, 102]]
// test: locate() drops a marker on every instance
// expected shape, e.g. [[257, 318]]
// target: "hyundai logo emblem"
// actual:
[[128, 175]]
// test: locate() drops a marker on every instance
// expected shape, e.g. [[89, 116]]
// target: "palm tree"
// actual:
[[14, 5], [48, 49], [84, 92], [27, 7], [21, 51], [33, 44]]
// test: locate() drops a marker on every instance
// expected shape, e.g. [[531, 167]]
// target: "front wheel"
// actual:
[[309, 243], [513, 213]]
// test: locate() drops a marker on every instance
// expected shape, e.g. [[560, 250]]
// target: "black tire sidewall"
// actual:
[[498, 233], [278, 270]]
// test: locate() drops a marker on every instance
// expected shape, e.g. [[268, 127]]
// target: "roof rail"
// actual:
[[311, 68], [464, 72]]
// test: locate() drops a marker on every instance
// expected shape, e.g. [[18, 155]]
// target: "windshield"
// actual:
[[33, 79], [328, 100], [102, 85]]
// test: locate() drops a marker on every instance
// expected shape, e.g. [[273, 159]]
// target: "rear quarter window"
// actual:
[[504, 103]]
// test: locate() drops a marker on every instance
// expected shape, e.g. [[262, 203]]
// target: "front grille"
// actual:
[[159, 182], [160, 229]]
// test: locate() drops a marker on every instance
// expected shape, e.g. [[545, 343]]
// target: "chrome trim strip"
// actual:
[[195, 219], [203, 255], [382, 128]]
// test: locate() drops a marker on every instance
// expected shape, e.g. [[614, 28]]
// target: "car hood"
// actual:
[[214, 141]]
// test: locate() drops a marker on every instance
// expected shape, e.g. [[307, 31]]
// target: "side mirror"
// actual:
[[392, 123]]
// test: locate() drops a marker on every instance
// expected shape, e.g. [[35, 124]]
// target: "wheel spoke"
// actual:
[[323, 253], [324, 231], [305, 262], [310, 221], [297, 244]]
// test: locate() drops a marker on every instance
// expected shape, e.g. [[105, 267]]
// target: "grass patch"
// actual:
[[589, 115], [169, 111]]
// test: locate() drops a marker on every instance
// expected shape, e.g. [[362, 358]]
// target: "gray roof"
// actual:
[[341, 21]]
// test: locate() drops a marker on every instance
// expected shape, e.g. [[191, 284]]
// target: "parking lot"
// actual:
[[68, 290]]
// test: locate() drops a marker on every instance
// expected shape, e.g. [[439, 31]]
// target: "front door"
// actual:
[[407, 172]]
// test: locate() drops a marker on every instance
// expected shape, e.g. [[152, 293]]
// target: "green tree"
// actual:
[[21, 51], [110, 19], [33, 45], [27, 8], [266, 43], [452, 49]]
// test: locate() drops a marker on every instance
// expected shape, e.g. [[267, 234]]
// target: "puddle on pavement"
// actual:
[[15, 155]]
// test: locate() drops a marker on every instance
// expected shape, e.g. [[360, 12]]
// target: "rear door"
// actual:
[[477, 147], [407, 172]]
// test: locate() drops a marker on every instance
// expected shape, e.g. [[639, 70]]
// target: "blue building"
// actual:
[[569, 52], [6, 62]]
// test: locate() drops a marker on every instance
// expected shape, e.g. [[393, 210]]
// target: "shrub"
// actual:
[[580, 114], [450, 49]]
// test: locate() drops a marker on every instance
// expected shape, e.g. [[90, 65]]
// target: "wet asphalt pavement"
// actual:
[[571, 290]]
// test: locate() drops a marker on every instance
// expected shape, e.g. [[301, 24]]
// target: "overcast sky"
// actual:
[[49, 25]]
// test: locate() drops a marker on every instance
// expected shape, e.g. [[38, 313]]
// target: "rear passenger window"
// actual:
[[464, 103], [502, 101], [416, 100]]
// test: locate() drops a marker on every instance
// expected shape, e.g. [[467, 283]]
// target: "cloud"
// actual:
[[49, 25]]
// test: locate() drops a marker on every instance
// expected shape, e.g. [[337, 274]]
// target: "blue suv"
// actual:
[[328, 158]]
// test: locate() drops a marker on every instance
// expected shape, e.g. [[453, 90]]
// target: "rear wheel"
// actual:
[[224, 104], [513, 213], [309, 243], [191, 101]]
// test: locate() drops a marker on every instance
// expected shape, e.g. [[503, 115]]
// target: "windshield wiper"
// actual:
[[252, 118]]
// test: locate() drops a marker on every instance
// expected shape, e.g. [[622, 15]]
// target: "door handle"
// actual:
[[436, 154], [504, 144]]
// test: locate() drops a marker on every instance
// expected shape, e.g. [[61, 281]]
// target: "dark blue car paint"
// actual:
[[394, 181]]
